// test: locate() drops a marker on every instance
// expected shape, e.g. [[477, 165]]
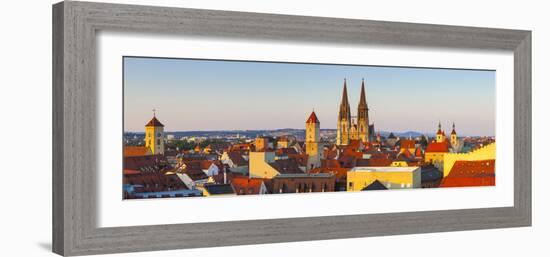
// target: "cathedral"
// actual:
[[354, 127]]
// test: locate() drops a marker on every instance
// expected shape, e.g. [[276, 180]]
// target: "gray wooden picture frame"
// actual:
[[75, 25]]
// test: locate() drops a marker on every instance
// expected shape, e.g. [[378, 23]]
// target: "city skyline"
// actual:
[[211, 95]]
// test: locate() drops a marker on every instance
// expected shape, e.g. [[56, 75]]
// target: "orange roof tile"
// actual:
[[407, 143], [245, 185], [312, 118], [135, 151], [435, 147], [471, 173]]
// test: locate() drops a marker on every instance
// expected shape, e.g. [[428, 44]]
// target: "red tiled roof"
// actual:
[[407, 143], [247, 186], [330, 163], [147, 163], [154, 123], [471, 173], [131, 172], [379, 162], [418, 152], [301, 159], [435, 147], [154, 182], [312, 118], [330, 153], [135, 151], [205, 164], [286, 151]]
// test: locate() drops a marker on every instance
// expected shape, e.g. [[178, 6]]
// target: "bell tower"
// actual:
[[363, 116], [154, 135], [440, 136], [454, 137], [313, 138], [344, 119]]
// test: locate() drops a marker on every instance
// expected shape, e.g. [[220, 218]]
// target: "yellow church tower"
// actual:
[[344, 120], [454, 137], [440, 136], [313, 138], [154, 135]]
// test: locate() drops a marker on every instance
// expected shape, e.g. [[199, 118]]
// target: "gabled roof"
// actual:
[[136, 151], [471, 173], [154, 123], [146, 163], [376, 185], [407, 143], [312, 118], [435, 147], [246, 185], [286, 166], [418, 152], [237, 158], [379, 162]]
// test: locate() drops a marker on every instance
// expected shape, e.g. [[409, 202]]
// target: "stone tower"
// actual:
[[154, 136], [363, 116], [440, 136], [313, 138], [454, 137], [344, 120]]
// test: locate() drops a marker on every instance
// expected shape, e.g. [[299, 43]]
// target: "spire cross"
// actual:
[[154, 112]]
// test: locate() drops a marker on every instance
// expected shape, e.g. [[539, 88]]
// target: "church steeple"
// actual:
[[363, 115], [363, 99], [454, 131], [344, 119], [344, 104]]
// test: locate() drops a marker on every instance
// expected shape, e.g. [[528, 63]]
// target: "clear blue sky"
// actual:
[[233, 95]]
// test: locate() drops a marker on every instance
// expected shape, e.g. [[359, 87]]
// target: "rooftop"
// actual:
[[305, 175], [312, 118], [154, 123], [384, 169]]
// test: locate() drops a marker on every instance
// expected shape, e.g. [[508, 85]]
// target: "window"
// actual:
[[158, 141], [350, 184]]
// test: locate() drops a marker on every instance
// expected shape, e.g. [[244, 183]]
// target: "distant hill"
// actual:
[[274, 132]]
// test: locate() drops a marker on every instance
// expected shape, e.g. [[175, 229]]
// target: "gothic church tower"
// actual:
[[344, 120], [363, 116]]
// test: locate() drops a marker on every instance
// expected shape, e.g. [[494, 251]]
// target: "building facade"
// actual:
[[359, 178]]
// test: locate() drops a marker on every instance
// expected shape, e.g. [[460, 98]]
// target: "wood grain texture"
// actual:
[[74, 126]]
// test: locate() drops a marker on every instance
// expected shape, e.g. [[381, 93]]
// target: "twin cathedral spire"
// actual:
[[347, 127]]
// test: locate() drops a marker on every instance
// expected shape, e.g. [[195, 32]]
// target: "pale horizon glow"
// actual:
[[209, 95]]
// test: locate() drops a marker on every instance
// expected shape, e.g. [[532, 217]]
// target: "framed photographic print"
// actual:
[[184, 128]]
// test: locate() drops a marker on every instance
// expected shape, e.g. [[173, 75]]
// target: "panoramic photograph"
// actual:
[[203, 128]]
